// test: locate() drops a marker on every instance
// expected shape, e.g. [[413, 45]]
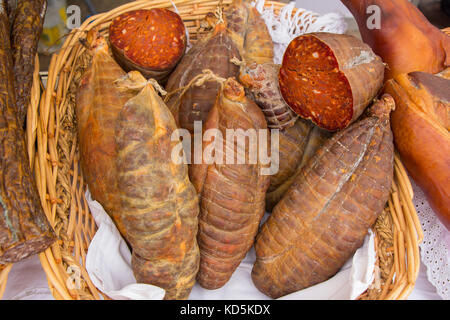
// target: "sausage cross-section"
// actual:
[[330, 78], [149, 41]]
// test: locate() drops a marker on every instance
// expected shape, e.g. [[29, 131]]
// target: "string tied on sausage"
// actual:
[[219, 13], [199, 80], [237, 62], [157, 86], [134, 80]]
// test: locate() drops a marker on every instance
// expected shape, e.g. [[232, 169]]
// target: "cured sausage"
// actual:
[[421, 124], [11, 6], [261, 82], [249, 32], [150, 41], [98, 103], [326, 213], [158, 204], [330, 78], [213, 52], [231, 194], [25, 34], [297, 145], [258, 73], [258, 45], [24, 228]]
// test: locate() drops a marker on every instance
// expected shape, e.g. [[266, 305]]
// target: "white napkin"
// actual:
[[108, 263]]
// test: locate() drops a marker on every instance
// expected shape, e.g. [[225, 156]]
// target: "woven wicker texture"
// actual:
[[52, 146]]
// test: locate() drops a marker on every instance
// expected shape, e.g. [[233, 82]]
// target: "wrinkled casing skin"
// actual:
[[325, 215], [159, 204], [25, 34], [292, 144], [261, 81], [231, 195], [24, 228], [297, 145], [11, 6], [406, 40], [420, 124], [98, 104]]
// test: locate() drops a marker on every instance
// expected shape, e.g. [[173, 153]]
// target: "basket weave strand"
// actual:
[[52, 146]]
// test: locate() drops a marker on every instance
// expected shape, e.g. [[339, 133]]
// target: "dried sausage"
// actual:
[[296, 146], [261, 82], [330, 78], [421, 124], [249, 32], [326, 213], [25, 35], [213, 52], [24, 228], [231, 194], [98, 103], [158, 204]]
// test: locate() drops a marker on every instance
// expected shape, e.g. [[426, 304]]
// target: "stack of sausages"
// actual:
[[335, 145], [197, 223], [316, 166]]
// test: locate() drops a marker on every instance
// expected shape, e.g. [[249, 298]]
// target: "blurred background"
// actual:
[[437, 11]]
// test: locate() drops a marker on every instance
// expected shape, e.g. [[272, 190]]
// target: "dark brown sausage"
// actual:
[[232, 195], [24, 228], [25, 34], [212, 52], [326, 213], [11, 6]]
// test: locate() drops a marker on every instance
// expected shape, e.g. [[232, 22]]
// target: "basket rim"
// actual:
[[46, 144]]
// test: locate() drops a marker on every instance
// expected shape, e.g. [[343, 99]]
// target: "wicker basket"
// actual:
[[52, 146]]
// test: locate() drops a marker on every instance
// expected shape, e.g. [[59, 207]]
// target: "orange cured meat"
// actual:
[[98, 104], [421, 124], [330, 78], [150, 41]]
